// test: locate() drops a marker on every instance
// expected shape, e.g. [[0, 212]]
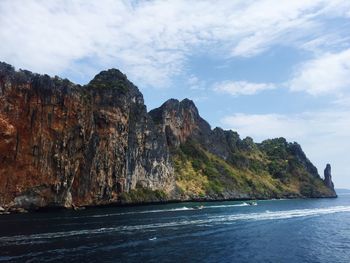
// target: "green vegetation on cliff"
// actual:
[[110, 79], [143, 195], [270, 170]]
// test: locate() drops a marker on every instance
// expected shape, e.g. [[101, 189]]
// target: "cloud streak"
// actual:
[[150, 40], [236, 88]]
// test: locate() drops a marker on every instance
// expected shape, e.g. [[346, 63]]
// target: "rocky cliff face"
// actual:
[[63, 144], [180, 121], [217, 164]]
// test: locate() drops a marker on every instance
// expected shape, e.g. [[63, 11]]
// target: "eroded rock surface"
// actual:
[[63, 143]]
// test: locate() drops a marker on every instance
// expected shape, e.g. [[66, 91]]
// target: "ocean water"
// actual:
[[312, 230]]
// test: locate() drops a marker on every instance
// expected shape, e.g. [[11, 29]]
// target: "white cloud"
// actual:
[[236, 88], [293, 127], [265, 125], [333, 41], [324, 135], [194, 83], [327, 74], [150, 40], [271, 23]]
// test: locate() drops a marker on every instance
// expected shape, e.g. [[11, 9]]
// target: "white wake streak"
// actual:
[[212, 220], [185, 208]]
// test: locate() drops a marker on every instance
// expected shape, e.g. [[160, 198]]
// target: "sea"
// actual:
[[299, 230]]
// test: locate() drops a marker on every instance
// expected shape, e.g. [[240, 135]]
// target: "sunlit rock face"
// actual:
[[64, 144]]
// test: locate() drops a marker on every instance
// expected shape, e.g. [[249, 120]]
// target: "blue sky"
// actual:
[[263, 68]]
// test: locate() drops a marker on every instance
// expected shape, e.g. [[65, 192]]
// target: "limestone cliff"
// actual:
[[217, 164], [63, 144]]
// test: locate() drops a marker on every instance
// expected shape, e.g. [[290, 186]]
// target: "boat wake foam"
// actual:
[[225, 206], [185, 208], [210, 220]]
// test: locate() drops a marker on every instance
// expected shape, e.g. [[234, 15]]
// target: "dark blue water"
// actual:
[[315, 230]]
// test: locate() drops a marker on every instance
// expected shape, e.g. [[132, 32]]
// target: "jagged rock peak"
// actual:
[[110, 79], [8, 72], [180, 120], [4, 67], [109, 74], [328, 176], [185, 104], [185, 109], [188, 103]]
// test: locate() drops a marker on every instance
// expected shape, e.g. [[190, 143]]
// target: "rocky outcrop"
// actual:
[[328, 177], [65, 145], [180, 121]]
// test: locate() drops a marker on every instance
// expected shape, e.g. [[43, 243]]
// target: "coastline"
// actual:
[[48, 209]]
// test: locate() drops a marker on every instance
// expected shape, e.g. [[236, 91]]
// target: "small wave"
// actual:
[[225, 206], [170, 210], [145, 212], [40, 254], [184, 208]]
